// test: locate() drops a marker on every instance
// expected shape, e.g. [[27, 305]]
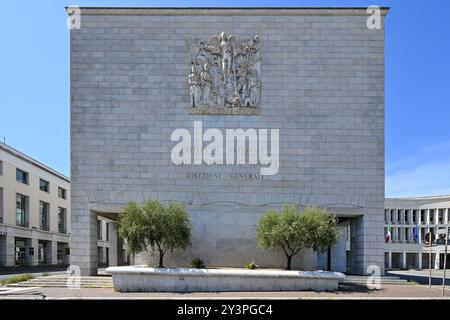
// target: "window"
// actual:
[[1, 167], [406, 220], [399, 216], [61, 193], [21, 176], [62, 216], [441, 215], [21, 210], [396, 234], [44, 215], [392, 216], [99, 230], [422, 217], [44, 185], [431, 213], [107, 231]]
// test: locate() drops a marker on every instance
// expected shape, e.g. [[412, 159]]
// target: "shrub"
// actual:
[[17, 278], [251, 266], [293, 231], [152, 225], [198, 263]]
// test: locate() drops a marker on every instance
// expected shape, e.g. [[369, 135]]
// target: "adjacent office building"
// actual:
[[34, 211], [35, 214], [409, 220]]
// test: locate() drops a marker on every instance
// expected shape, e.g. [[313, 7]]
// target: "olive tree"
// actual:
[[292, 230], [163, 229]]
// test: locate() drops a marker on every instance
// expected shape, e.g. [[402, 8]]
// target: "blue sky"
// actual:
[[34, 84]]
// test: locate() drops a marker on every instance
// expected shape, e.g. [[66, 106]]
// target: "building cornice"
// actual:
[[24, 157], [231, 11], [437, 197]]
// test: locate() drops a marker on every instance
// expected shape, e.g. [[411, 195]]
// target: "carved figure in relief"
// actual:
[[205, 84], [230, 72], [194, 89]]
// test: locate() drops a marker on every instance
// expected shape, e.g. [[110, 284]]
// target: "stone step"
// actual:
[[352, 278], [57, 285], [61, 285], [383, 280], [65, 279], [62, 280]]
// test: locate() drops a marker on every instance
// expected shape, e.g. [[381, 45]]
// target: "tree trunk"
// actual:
[[289, 259], [161, 258]]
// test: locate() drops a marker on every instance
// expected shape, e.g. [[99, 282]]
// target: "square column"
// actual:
[[120, 251], [7, 251], [419, 261], [53, 253], [113, 235], [33, 260], [83, 239], [390, 260], [437, 260], [404, 260], [367, 246]]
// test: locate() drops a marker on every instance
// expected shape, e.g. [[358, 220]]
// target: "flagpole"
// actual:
[[429, 258], [445, 259]]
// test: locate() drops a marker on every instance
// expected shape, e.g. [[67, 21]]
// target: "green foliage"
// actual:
[[17, 278], [132, 228], [251, 266], [293, 231], [45, 274], [198, 263], [152, 225]]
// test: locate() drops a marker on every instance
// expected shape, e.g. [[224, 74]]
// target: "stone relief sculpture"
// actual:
[[225, 72]]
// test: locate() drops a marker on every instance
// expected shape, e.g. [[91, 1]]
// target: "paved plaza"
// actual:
[[346, 291]]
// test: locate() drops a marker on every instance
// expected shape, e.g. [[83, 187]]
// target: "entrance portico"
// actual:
[[208, 223], [109, 250]]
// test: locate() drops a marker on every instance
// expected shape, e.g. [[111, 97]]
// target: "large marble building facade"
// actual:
[[314, 75]]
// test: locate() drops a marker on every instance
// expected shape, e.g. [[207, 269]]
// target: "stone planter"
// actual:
[[144, 279]]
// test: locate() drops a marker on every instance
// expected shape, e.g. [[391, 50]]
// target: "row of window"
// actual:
[[22, 204], [406, 235], [414, 216], [22, 176]]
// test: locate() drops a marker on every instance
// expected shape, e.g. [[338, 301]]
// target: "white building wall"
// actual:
[[429, 213], [11, 160]]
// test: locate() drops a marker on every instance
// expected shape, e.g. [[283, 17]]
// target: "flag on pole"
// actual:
[[416, 232], [388, 233]]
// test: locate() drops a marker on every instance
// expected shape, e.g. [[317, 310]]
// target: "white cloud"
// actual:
[[422, 180], [423, 174]]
